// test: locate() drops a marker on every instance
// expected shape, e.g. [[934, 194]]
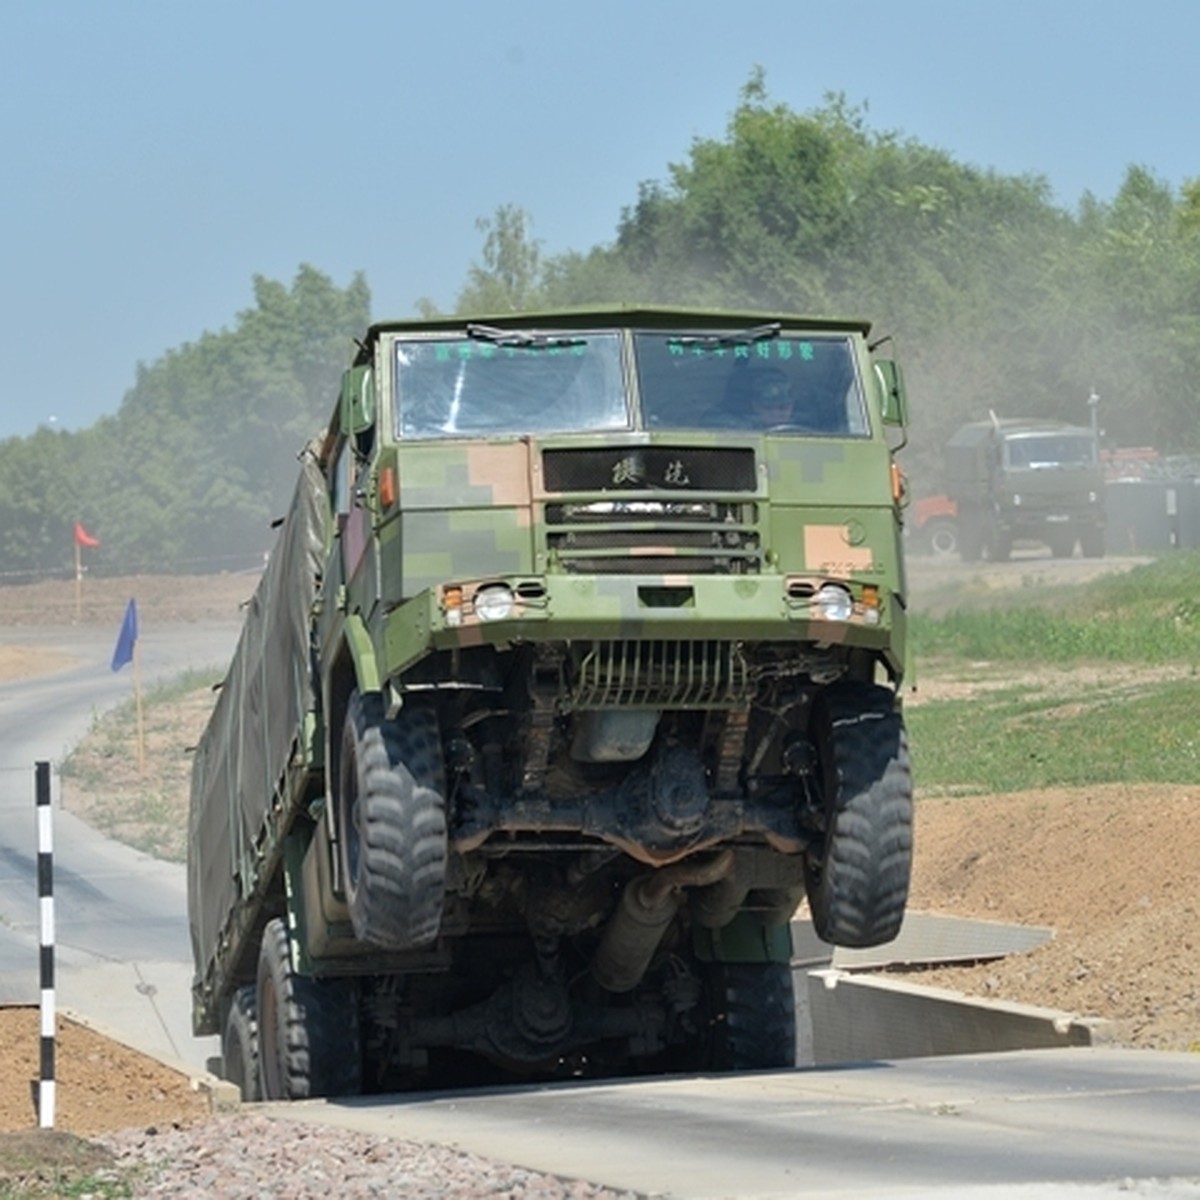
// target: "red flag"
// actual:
[[83, 538]]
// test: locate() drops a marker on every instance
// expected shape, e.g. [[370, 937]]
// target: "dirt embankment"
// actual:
[[1111, 869], [101, 601]]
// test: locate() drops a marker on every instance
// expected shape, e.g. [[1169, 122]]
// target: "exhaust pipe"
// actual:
[[647, 907]]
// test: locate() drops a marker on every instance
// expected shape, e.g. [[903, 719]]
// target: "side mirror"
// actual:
[[893, 401], [357, 402]]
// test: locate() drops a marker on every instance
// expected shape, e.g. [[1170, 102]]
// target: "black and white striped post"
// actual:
[[45, 874]]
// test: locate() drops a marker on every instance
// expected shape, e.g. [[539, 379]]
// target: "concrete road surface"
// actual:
[[1064, 1123], [123, 955]]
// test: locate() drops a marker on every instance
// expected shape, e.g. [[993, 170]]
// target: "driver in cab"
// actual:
[[770, 399]]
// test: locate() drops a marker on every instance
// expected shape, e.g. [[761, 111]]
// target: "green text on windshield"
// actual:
[[768, 382], [500, 383]]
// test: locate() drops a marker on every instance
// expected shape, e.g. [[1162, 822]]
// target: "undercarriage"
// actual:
[[547, 892]]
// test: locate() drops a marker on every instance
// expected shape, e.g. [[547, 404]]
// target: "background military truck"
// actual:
[[1025, 480], [931, 523], [570, 675]]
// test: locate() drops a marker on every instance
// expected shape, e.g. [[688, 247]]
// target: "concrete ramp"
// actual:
[[863, 1018], [847, 1011], [925, 939]]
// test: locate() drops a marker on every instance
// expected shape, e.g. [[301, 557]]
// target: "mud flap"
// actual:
[[744, 940]]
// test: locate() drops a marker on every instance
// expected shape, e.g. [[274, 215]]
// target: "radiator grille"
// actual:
[[661, 674], [651, 537]]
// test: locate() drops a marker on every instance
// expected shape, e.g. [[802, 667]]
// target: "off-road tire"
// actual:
[[1091, 542], [308, 1029], [1062, 545], [239, 1044], [857, 871], [971, 537], [755, 1017], [941, 537], [1000, 547], [391, 798]]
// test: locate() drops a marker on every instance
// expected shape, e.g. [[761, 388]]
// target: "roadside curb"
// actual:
[[223, 1096], [860, 1018], [848, 1009]]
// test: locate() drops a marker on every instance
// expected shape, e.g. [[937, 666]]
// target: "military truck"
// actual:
[[569, 678], [1025, 480]]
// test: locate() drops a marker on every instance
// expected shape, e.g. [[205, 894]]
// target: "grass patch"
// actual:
[[1064, 688], [1150, 614], [144, 808], [1012, 741], [49, 1163]]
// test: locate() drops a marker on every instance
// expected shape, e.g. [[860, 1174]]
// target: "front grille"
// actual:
[[662, 674], [643, 468], [608, 539], [649, 537], [673, 564], [656, 514]]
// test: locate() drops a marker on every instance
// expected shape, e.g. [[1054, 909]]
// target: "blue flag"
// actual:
[[127, 638]]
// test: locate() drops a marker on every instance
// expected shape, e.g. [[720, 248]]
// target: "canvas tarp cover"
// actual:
[[244, 752]]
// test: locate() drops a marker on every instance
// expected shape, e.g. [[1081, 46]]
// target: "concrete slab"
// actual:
[[146, 1004], [923, 938], [864, 1018], [1027, 1124]]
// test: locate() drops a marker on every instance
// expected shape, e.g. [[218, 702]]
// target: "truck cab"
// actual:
[[1017, 480]]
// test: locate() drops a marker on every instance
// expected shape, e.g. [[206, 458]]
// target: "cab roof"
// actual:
[[647, 316]]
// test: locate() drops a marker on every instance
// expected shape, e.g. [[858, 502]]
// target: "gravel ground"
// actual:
[[250, 1157]]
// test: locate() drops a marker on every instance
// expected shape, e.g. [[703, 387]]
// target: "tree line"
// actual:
[[200, 457], [997, 299]]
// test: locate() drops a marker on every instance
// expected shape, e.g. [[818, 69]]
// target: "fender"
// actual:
[[352, 665], [357, 639]]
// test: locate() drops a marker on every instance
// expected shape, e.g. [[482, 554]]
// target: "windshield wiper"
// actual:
[[757, 333], [521, 339]]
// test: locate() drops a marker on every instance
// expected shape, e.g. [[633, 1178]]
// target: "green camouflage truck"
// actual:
[[575, 669], [1026, 480]]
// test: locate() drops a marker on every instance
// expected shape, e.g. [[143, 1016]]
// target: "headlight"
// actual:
[[495, 602], [834, 602]]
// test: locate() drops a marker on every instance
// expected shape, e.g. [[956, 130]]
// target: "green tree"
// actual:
[[510, 276], [200, 456]]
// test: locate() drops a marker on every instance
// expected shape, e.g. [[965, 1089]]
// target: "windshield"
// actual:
[[762, 380], [497, 383], [1050, 450]]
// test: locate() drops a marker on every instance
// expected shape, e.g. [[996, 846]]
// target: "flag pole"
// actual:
[[137, 698], [126, 650], [78, 582]]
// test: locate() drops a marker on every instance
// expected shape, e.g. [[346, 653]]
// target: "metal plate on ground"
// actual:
[[924, 938]]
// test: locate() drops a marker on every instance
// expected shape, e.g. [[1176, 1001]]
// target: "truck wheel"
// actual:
[[857, 871], [941, 536], [970, 540], [1062, 545], [308, 1029], [755, 1007], [239, 1044], [1092, 543], [391, 793], [1001, 547]]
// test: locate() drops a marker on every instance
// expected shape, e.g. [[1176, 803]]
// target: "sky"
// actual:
[[156, 155]]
